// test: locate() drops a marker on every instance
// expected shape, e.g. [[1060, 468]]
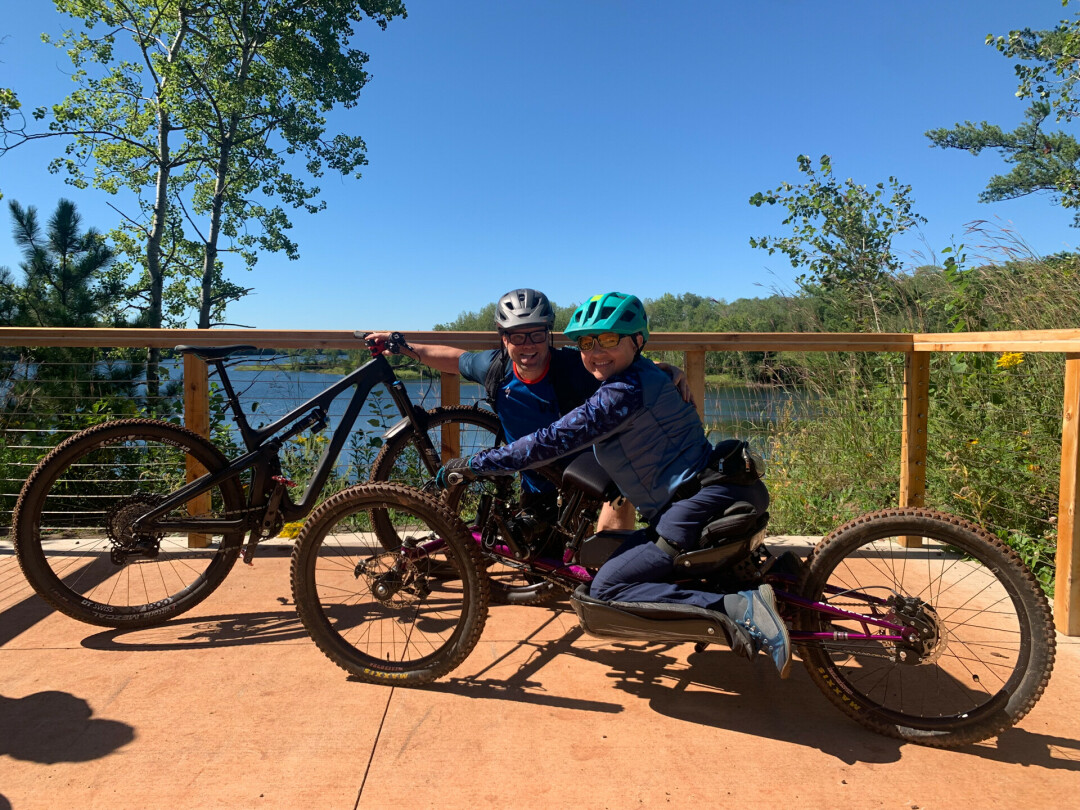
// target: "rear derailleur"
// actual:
[[125, 541]]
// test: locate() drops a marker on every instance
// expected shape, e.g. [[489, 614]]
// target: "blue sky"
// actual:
[[580, 146]]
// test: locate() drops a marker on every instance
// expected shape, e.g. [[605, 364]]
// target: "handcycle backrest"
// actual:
[[725, 540]]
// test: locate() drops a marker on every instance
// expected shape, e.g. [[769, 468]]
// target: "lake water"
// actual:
[[273, 392]]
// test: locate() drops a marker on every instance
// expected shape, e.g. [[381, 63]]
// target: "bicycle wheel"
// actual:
[[983, 642], [72, 524], [401, 460], [405, 615]]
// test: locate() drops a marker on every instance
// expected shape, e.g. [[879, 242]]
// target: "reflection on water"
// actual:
[[753, 411]]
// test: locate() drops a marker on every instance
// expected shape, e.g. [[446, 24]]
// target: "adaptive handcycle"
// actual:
[[916, 624]]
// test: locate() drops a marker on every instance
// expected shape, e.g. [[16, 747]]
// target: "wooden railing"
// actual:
[[916, 348]]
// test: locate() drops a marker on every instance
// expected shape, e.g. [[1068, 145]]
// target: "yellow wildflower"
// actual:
[[1010, 359], [291, 530]]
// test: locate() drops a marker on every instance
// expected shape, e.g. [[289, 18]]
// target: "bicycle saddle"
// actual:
[[215, 352]]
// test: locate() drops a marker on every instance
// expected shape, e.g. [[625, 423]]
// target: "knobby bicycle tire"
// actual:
[[72, 524], [986, 636], [402, 616]]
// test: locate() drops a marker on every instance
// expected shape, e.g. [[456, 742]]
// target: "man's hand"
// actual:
[[680, 380], [391, 346], [456, 467]]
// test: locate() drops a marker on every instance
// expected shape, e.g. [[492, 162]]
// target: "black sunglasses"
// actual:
[[521, 338]]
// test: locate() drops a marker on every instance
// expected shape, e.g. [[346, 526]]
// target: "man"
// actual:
[[530, 382]]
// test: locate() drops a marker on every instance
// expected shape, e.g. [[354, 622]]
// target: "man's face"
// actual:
[[530, 357]]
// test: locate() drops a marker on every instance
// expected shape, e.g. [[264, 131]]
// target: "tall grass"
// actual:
[[994, 438]]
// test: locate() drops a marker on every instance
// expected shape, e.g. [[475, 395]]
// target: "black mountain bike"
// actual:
[[133, 521]]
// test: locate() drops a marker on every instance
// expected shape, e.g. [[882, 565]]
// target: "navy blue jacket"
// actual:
[[643, 434]]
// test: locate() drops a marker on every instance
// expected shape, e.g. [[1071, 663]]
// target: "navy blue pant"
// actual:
[[638, 570]]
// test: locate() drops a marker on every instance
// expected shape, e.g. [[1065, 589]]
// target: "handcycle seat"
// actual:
[[650, 621], [585, 473], [215, 352]]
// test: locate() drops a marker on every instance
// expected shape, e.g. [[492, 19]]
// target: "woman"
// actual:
[[653, 446]]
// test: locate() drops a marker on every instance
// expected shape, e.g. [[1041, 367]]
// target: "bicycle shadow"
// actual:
[[203, 632], [520, 686], [718, 689], [51, 727]]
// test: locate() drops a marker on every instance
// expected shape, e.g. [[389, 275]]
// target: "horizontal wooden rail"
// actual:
[[298, 339], [1047, 340]]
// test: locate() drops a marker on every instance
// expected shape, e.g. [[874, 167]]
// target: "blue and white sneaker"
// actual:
[[767, 631]]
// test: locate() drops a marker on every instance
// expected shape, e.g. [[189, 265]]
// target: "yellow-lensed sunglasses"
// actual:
[[608, 340]]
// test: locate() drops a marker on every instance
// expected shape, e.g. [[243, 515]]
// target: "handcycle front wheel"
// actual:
[[404, 615], [979, 637], [73, 524]]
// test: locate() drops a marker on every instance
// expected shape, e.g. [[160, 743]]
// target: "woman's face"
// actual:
[[604, 363]]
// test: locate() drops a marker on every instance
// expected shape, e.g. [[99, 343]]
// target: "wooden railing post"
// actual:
[[197, 418], [695, 376], [1067, 583], [450, 394], [914, 434]]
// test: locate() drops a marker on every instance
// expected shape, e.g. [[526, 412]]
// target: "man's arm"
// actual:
[[440, 358]]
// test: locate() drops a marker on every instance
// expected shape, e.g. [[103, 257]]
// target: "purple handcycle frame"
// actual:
[[574, 575]]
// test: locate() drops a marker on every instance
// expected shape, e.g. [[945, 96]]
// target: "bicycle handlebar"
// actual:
[[394, 344]]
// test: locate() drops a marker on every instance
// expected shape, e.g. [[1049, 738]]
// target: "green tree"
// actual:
[[65, 283], [1043, 161], [65, 280], [842, 232], [198, 109], [483, 320]]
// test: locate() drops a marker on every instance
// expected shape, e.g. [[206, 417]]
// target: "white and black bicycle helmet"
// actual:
[[524, 307]]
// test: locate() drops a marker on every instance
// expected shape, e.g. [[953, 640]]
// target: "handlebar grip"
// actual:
[[393, 344], [455, 478]]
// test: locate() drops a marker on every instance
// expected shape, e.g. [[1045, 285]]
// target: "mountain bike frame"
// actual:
[[269, 500]]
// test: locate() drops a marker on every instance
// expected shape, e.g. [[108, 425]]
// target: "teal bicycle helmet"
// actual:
[[611, 312]]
